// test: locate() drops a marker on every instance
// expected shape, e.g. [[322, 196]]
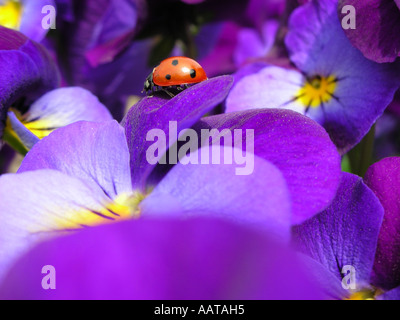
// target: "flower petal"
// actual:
[[271, 87], [297, 146], [162, 259], [37, 205], [90, 151], [377, 28], [384, 180], [61, 107], [328, 282], [260, 197], [32, 16], [155, 113], [346, 233], [26, 139], [27, 70]]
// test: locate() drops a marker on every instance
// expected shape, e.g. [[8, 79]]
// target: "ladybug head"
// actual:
[[148, 84]]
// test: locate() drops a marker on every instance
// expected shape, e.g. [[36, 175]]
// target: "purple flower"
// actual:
[[90, 173], [377, 28], [358, 255], [163, 259], [27, 71], [334, 85]]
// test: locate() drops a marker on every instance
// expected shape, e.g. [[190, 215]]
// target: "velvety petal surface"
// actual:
[[384, 179], [296, 145], [346, 233], [37, 205], [377, 28], [259, 198], [162, 259], [91, 151], [186, 108]]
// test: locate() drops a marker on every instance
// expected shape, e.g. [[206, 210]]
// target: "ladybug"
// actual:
[[175, 73]]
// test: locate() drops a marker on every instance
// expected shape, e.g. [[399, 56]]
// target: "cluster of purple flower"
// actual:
[[317, 218]]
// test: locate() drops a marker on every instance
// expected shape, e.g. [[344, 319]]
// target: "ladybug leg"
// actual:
[[168, 92]]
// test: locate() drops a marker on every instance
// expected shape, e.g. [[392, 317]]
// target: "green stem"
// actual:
[[14, 142], [361, 155]]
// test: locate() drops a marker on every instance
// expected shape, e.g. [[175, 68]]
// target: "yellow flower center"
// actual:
[[367, 294], [10, 14], [40, 128], [317, 91], [124, 207]]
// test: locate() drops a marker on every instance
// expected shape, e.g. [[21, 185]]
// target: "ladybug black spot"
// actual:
[[192, 73], [168, 77], [175, 62]]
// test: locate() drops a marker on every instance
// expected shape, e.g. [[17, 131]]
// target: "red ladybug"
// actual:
[[174, 73]]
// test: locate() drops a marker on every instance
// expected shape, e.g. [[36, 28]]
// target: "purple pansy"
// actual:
[[377, 28], [89, 173], [163, 259], [335, 84], [27, 71], [344, 240]]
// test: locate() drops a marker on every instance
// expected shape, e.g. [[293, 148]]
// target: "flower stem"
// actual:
[[13, 141], [361, 155]]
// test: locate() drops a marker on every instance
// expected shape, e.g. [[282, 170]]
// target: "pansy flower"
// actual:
[[92, 173], [334, 84], [355, 241]]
